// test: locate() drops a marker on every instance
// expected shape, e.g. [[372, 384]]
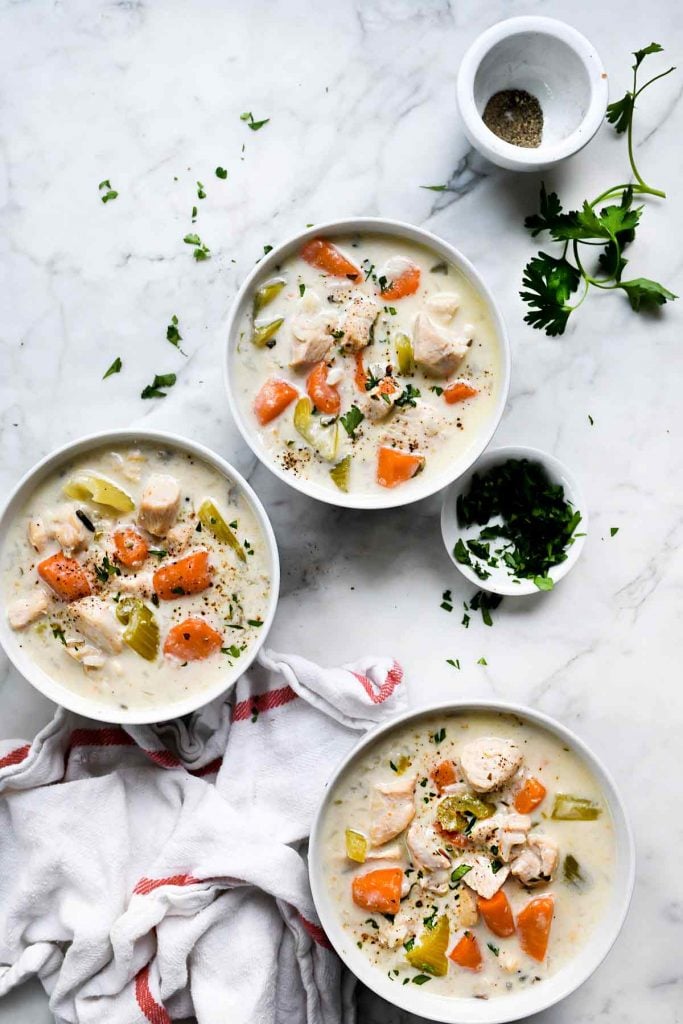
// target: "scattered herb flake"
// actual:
[[352, 420], [248, 117], [114, 368], [613, 531], [201, 194], [161, 380], [435, 188], [482, 661], [221, 173], [455, 662]]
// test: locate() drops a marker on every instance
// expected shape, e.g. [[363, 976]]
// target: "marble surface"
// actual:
[[361, 101]]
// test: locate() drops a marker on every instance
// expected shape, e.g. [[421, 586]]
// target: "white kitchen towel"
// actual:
[[157, 872]]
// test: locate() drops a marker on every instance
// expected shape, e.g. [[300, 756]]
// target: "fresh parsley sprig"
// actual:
[[549, 282]]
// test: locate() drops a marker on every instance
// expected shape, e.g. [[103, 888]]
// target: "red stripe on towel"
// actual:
[[316, 932], [15, 756], [147, 885], [262, 702], [110, 736], [208, 769], [394, 677], [153, 1011]]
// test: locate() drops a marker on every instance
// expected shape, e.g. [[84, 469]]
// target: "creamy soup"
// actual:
[[136, 575], [366, 362], [473, 852]]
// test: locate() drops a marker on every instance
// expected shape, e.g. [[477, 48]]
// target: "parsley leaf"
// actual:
[[351, 420], [114, 368], [407, 397], [201, 252], [550, 214], [644, 294], [173, 334], [221, 173], [109, 192], [251, 123], [549, 283], [161, 380]]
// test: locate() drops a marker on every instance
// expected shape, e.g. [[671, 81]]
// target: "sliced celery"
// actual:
[[88, 487], [141, 632], [324, 439], [213, 521], [451, 811], [262, 333], [575, 808], [430, 953], [404, 354], [356, 845], [341, 472], [264, 295]]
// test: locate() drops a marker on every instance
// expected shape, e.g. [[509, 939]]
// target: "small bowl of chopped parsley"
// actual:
[[516, 523]]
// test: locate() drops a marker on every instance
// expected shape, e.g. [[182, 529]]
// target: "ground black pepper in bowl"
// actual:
[[515, 116]]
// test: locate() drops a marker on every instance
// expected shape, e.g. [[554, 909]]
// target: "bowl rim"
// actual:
[[465, 1010], [494, 147], [557, 470], [420, 235], [89, 707]]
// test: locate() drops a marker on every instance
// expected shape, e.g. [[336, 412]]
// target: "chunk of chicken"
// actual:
[[536, 862], [86, 654], [37, 534], [488, 762], [392, 852], [141, 584], [482, 877], [379, 401], [95, 620], [129, 465], [406, 923], [178, 537], [464, 912], [25, 610], [438, 350], [509, 961], [428, 856], [311, 332], [443, 305], [69, 532], [392, 809], [356, 322], [502, 830], [159, 505]]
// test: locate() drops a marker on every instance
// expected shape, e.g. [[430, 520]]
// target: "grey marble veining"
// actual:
[[361, 101]]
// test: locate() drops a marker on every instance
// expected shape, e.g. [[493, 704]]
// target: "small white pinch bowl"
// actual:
[[418, 999], [89, 706], [500, 582], [548, 59]]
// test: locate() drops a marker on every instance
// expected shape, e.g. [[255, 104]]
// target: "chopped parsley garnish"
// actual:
[[613, 531], [436, 389], [161, 380], [420, 979], [494, 949], [435, 188], [109, 192], [439, 268], [255, 622], [482, 661], [267, 249], [590, 419], [485, 602], [114, 368], [302, 289], [430, 921], [107, 569], [407, 397], [221, 173], [201, 251], [58, 633], [409, 943], [158, 552], [537, 527], [233, 650], [455, 662], [194, 214], [201, 194], [173, 334], [438, 737], [447, 601], [251, 123], [351, 420]]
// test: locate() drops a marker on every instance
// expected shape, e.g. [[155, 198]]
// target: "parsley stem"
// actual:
[[588, 277], [644, 188]]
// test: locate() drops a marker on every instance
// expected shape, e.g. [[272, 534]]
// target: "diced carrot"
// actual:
[[190, 575], [65, 576], [192, 640], [272, 399], [394, 467], [458, 392], [406, 283], [322, 254], [360, 375], [533, 926], [387, 386], [466, 953], [324, 396], [131, 548], [444, 775], [529, 796], [498, 914], [378, 890]]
